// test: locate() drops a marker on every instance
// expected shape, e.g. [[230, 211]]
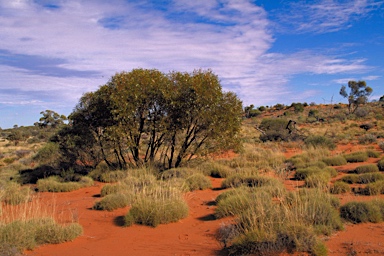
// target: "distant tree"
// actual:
[[381, 99], [50, 119], [358, 95], [15, 136], [298, 107]]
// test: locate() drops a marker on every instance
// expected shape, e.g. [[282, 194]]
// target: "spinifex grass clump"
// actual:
[[320, 141], [356, 157], [373, 153], [54, 184], [216, 170], [290, 223], [380, 164], [335, 161], [177, 173], [20, 235], [157, 205], [356, 212], [198, 182], [13, 193], [239, 180], [374, 188], [340, 187], [114, 201], [366, 169], [318, 180]]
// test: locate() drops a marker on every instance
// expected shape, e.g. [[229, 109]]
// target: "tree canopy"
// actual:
[[358, 95], [146, 116]]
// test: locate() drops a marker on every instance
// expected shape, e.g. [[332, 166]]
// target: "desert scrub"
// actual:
[[367, 139], [198, 182], [216, 169], [317, 180], [113, 189], [366, 168], [380, 165], [114, 201], [350, 178], [113, 176], [320, 141], [157, 205], [366, 178], [340, 187], [356, 157], [373, 154], [238, 180], [15, 194], [374, 188], [21, 235], [54, 184], [357, 212], [335, 161], [181, 172]]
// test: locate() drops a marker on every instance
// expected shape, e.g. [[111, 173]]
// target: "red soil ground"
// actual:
[[194, 235]]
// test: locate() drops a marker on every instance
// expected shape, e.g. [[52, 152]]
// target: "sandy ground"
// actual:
[[194, 235]]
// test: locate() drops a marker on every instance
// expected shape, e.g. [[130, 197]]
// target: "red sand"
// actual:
[[194, 235]]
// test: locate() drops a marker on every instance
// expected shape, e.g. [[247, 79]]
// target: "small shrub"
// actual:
[[198, 182], [113, 176], [239, 180], [357, 212], [335, 161], [320, 141], [372, 153], [112, 189], [350, 178], [374, 188], [302, 174], [381, 145], [356, 157], [366, 178], [114, 201], [177, 173], [380, 165], [152, 212], [54, 184], [340, 187], [216, 170], [318, 180], [367, 139], [366, 168], [332, 171], [15, 194]]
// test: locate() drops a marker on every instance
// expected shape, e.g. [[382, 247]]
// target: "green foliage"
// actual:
[[48, 154], [366, 168], [374, 188], [373, 153], [358, 95], [275, 129], [50, 119], [318, 180], [198, 182], [367, 139], [18, 236], [54, 184], [15, 194], [356, 157], [335, 161], [152, 212], [238, 180], [357, 212], [340, 187], [180, 172], [216, 170], [141, 113], [370, 177], [320, 141], [350, 178], [114, 201], [380, 165]]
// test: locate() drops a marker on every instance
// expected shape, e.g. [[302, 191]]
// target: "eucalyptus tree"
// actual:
[[144, 116], [358, 95]]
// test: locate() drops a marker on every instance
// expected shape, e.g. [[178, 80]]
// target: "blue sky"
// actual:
[[268, 52]]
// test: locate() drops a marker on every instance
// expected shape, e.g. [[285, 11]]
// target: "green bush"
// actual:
[[350, 178], [366, 168], [356, 157], [114, 201], [54, 184], [239, 180], [15, 194], [372, 153], [216, 170], [366, 178], [112, 189], [18, 236], [317, 180], [113, 176], [320, 141], [302, 174], [340, 187], [335, 161], [177, 173], [380, 165], [367, 139], [198, 182], [374, 188], [332, 171], [357, 212]]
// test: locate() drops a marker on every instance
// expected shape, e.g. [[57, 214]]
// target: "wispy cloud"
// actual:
[[52, 51], [326, 15]]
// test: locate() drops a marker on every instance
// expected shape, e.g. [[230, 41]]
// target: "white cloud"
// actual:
[[326, 15]]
